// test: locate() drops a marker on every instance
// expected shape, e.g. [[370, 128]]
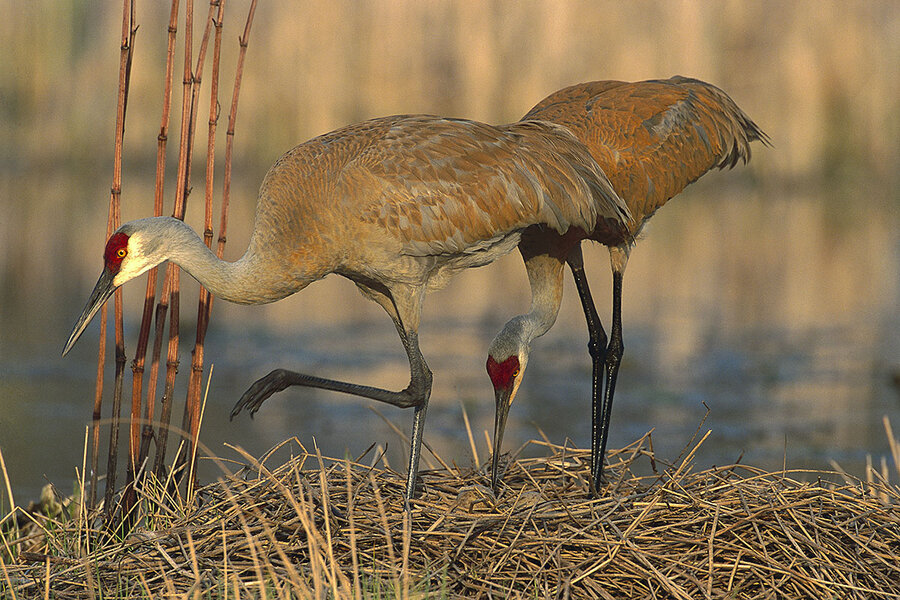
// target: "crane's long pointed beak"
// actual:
[[102, 291], [504, 399]]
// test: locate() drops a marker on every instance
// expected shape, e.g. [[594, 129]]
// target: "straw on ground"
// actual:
[[315, 527]]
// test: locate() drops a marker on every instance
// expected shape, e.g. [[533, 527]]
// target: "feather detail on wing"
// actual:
[[449, 186], [653, 138]]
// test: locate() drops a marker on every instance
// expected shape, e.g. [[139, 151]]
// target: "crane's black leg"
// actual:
[[612, 360], [597, 348], [415, 395]]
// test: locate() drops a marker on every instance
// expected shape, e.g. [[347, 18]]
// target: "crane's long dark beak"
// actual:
[[102, 291], [504, 398]]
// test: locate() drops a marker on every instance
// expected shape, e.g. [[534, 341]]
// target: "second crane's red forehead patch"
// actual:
[[501, 373], [112, 257]]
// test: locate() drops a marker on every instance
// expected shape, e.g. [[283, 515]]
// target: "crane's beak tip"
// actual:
[[502, 412], [71, 342], [100, 294], [76, 333]]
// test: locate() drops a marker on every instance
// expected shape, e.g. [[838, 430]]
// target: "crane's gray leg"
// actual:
[[597, 348], [420, 382], [281, 379], [415, 395]]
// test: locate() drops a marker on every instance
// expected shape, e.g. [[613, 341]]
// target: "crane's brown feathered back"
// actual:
[[423, 186], [653, 138]]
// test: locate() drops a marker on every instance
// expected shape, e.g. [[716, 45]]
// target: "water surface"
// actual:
[[790, 349]]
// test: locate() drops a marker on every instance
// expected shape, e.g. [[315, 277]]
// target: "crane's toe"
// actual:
[[260, 391]]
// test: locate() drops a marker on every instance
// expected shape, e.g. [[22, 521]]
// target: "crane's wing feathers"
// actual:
[[454, 186], [653, 138]]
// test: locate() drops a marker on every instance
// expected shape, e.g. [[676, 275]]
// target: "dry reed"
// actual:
[[314, 527]]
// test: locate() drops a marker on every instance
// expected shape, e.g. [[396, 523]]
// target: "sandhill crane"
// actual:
[[396, 205], [652, 139]]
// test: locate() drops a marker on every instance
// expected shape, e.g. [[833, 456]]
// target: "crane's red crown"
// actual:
[[116, 250], [502, 373]]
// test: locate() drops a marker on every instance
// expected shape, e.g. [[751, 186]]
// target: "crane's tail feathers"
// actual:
[[743, 132], [733, 127]]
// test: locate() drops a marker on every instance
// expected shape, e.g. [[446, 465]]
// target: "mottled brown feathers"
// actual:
[[653, 138], [418, 185]]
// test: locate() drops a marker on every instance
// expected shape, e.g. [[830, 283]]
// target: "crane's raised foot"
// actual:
[[259, 392]]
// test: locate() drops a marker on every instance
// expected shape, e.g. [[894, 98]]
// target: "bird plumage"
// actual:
[[420, 186], [397, 205], [652, 139]]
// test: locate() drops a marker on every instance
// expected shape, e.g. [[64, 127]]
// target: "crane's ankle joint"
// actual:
[[614, 353], [597, 348]]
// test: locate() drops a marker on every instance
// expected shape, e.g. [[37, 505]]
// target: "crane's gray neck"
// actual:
[[545, 276], [245, 281]]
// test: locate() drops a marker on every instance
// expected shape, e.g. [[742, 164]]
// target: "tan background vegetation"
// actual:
[[822, 78], [799, 247]]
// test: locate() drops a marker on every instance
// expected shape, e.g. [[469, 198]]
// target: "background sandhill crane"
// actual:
[[396, 205], [652, 139]]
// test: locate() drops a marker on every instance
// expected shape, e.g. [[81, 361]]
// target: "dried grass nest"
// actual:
[[315, 527]]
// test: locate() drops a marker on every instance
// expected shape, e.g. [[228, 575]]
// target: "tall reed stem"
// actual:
[[149, 297], [129, 30]]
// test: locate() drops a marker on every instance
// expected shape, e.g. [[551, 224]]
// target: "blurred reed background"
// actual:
[[799, 250]]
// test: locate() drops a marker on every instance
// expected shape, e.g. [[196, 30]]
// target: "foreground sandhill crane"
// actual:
[[396, 205], [652, 139]]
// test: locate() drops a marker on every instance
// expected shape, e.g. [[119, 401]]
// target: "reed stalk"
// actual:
[[192, 403], [129, 31], [142, 421], [150, 294]]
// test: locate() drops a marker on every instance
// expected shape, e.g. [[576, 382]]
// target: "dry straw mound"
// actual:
[[315, 527]]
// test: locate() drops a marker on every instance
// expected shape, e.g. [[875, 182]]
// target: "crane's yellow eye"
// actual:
[[516, 372], [121, 252]]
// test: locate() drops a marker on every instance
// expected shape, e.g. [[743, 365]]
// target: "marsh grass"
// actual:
[[316, 527]]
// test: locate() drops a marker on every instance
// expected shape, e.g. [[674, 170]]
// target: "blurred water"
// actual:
[[770, 294], [775, 395]]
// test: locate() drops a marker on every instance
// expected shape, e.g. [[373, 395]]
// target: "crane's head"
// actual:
[[506, 362], [130, 251]]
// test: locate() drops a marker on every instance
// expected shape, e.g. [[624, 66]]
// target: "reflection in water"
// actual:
[[784, 329]]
